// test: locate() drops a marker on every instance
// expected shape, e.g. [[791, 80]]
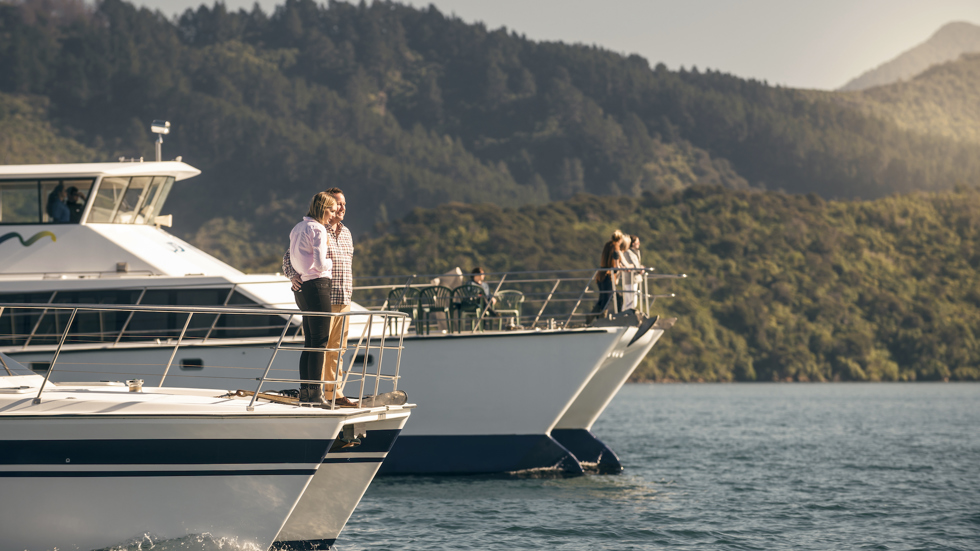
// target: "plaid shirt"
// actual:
[[340, 251]]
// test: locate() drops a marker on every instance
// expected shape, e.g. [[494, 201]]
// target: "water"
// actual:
[[742, 466], [747, 466]]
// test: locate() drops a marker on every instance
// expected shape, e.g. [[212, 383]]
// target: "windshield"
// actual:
[[136, 200]]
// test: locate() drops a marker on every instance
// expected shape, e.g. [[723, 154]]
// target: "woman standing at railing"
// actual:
[[626, 261], [308, 254], [605, 279]]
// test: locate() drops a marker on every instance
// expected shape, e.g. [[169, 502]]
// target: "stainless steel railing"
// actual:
[[368, 341], [558, 293], [551, 295]]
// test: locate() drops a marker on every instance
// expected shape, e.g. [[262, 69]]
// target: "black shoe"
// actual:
[[304, 395], [315, 395]]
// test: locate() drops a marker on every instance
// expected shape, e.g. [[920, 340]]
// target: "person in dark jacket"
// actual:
[[76, 204], [57, 209], [606, 279]]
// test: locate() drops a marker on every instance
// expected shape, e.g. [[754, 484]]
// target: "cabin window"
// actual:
[[34, 201], [135, 200]]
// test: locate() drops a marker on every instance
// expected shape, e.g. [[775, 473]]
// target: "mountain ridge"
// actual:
[[946, 44]]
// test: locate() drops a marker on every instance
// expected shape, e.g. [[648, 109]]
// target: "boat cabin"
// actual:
[[94, 193]]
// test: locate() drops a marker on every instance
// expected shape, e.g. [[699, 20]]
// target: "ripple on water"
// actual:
[[729, 467]]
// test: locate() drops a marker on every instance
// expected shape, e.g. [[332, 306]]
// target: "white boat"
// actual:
[[494, 401], [96, 464]]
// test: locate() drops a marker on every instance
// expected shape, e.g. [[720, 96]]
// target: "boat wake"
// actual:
[[198, 542]]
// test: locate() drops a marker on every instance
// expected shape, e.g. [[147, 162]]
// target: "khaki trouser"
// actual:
[[338, 325]]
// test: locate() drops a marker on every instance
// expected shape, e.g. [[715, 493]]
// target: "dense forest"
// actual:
[[406, 107], [829, 236], [781, 287]]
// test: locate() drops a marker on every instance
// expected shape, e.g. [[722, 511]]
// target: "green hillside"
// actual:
[[942, 101], [27, 135], [457, 145], [406, 108], [781, 287]]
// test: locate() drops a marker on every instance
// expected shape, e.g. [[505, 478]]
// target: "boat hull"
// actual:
[[574, 429], [478, 454], [490, 400], [339, 484], [89, 482]]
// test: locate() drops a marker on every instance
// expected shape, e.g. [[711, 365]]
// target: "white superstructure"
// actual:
[[492, 401]]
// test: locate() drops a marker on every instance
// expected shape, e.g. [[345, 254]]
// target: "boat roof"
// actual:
[[179, 170]]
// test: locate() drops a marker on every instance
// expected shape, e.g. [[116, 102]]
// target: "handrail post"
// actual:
[[344, 328], [367, 353], [176, 346], [39, 318], [37, 399], [231, 292], [2, 361], [615, 294], [646, 294], [381, 356], [285, 328], [580, 297], [546, 301], [408, 285], [381, 352], [398, 359], [129, 319]]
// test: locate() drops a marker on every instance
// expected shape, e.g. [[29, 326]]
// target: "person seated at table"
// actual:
[[478, 277]]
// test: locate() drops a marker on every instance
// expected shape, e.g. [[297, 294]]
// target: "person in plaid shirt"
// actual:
[[340, 250]]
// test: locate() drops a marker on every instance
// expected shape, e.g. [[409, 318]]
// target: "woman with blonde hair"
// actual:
[[308, 255]]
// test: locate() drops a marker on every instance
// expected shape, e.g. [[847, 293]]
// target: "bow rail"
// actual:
[[375, 336]]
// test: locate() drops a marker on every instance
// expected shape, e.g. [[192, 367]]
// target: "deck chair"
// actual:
[[404, 299], [468, 300], [509, 304], [433, 300]]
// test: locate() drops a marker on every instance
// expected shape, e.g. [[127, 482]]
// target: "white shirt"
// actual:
[[308, 250]]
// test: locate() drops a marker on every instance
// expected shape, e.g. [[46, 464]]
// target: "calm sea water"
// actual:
[[741, 466]]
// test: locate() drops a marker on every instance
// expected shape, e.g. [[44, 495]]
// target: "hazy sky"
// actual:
[[799, 43]]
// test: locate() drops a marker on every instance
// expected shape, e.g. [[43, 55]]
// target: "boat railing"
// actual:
[[556, 298], [377, 332]]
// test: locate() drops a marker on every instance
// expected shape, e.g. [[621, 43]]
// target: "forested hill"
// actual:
[[944, 100], [781, 287], [403, 107]]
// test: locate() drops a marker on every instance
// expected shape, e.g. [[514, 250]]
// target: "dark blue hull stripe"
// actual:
[[353, 460], [377, 441], [482, 454], [121, 474], [161, 452], [588, 449]]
